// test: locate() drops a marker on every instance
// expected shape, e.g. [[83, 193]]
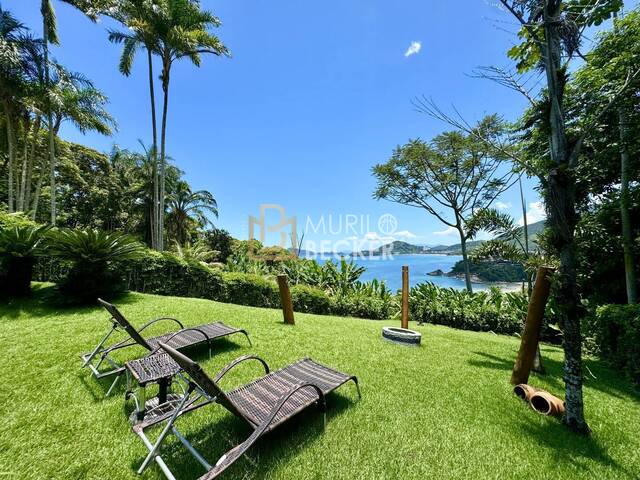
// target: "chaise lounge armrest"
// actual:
[[155, 320], [236, 362]]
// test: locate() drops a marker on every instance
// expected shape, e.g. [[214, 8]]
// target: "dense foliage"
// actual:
[[493, 270], [614, 331]]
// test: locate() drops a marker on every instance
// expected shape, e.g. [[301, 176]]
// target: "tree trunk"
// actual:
[[165, 104], [465, 260], [562, 218], [627, 239], [12, 153], [36, 196], [52, 146], [32, 159], [154, 158], [22, 206]]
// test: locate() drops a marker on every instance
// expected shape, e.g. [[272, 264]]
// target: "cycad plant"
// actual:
[[94, 256], [19, 247]]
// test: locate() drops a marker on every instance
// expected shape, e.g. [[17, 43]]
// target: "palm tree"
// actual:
[[50, 35], [72, 97], [180, 27], [188, 209], [12, 34], [76, 99], [135, 14]]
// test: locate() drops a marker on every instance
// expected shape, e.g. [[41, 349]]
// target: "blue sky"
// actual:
[[316, 94]]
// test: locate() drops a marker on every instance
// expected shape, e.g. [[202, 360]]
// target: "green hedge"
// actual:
[[166, 274], [310, 299], [356, 305], [249, 289], [481, 311], [615, 330]]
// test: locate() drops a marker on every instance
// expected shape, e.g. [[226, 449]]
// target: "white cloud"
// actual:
[[405, 234], [376, 237], [414, 48], [503, 205], [446, 233], [535, 213]]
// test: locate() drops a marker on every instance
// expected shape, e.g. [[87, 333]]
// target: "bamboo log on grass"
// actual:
[[532, 327]]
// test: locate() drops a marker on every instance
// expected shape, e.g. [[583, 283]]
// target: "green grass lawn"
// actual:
[[444, 410]]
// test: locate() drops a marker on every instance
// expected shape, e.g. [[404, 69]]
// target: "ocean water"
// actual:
[[390, 270]]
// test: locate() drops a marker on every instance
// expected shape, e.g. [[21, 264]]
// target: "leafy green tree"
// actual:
[[610, 64], [220, 242], [452, 177], [551, 34]]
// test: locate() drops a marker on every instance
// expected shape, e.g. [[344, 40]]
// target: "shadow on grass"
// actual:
[[98, 388], [597, 374], [215, 439], [567, 447]]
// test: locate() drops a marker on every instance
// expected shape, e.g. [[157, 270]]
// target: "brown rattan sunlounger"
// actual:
[[263, 404], [179, 339]]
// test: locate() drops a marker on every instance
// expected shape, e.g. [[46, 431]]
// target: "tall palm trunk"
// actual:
[[36, 195], [11, 144], [22, 186], [32, 159], [627, 239], [52, 146], [163, 137], [562, 219], [154, 159]]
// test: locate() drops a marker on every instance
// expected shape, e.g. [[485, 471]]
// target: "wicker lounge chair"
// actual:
[[263, 404], [179, 339]]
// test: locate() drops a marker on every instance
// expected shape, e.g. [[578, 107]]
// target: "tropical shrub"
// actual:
[[19, 247], [615, 330], [95, 257], [310, 300], [482, 311], [10, 220]]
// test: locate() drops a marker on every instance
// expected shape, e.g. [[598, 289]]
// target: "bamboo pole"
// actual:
[[531, 333], [285, 300], [405, 297]]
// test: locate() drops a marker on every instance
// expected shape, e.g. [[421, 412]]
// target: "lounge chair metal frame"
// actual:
[[202, 390], [101, 354]]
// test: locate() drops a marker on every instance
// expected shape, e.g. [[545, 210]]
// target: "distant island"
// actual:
[[403, 248]]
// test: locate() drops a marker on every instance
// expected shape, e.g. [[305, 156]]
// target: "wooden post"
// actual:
[[531, 333], [405, 297], [285, 300]]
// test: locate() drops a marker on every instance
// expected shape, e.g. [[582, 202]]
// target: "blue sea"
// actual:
[[390, 270]]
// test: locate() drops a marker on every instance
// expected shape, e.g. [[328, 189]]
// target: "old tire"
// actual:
[[401, 335]]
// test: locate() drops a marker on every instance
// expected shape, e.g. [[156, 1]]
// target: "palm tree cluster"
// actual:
[[36, 94], [170, 30]]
